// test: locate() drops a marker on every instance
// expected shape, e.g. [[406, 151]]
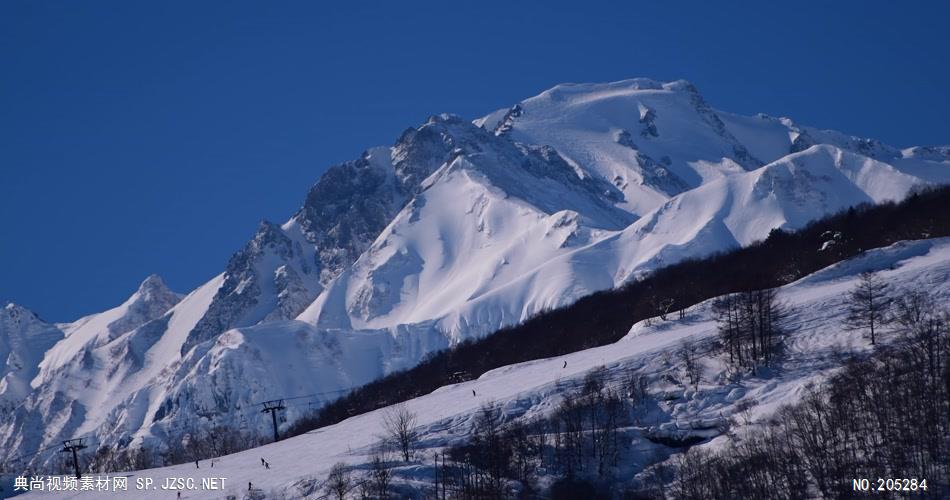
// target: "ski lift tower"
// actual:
[[73, 446], [273, 407]]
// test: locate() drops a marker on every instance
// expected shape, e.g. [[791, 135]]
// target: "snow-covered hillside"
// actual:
[[813, 350], [23, 340], [457, 229]]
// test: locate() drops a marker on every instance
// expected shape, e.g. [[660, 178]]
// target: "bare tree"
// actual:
[[915, 313], [661, 307], [636, 389], [744, 409], [379, 476], [924, 327], [868, 304], [751, 326], [400, 424], [729, 323], [487, 435], [338, 482], [687, 354]]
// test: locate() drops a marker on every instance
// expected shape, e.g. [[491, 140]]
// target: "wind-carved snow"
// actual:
[[474, 211], [457, 229], [670, 120]]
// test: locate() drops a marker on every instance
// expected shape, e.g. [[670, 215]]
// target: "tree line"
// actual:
[[604, 317]]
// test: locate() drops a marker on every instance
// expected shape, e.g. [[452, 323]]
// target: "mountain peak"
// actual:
[[628, 84], [268, 234], [20, 314], [152, 299], [154, 289], [153, 282], [12, 308], [445, 118], [24, 337]]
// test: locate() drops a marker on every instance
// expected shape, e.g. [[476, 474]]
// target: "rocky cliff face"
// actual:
[[150, 301], [262, 280]]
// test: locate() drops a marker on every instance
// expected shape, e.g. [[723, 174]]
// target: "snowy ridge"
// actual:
[[534, 388], [23, 339], [457, 229], [100, 375]]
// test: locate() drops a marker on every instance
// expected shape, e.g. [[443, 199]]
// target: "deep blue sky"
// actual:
[[141, 137]]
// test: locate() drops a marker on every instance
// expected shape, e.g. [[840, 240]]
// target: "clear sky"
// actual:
[[151, 137]]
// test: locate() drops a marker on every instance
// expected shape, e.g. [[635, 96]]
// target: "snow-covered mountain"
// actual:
[[23, 340], [814, 349], [457, 229]]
